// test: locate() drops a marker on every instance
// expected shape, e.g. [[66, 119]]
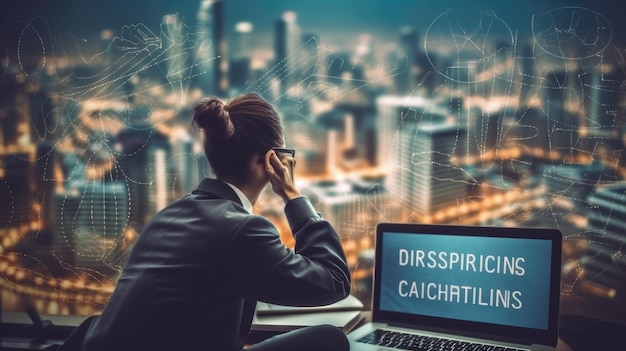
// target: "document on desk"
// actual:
[[345, 320], [344, 314], [350, 303]]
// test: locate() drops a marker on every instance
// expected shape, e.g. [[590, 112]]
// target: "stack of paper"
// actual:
[[345, 314]]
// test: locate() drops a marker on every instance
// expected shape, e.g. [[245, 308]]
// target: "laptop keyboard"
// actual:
[[405, 341]]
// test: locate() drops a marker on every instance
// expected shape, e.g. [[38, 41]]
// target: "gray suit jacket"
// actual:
[[194, 275]]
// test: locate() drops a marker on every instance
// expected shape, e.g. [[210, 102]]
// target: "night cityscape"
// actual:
[[479, 117]]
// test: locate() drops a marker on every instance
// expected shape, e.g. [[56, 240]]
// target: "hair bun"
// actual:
[[212, 115]]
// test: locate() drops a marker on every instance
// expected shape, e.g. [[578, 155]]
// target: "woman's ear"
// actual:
[[268, 164]]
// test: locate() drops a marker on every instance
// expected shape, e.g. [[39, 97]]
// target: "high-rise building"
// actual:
[[528, 78], [603, 94], [310, 54], [135, 162], [190, 166], [108, 54], [174, 28], [311, 141], [562, 120], [574, 182], [161, 177], [66, 207], [103, 209], [353, 208], [101, 221], [484, 132], [604, 262], [400, 113], [418, 149], [338, 64], [360, 113], [210, 48], [608, 218], [286, 50], [239, 59], [531, 129], [496, 75], [405, 78], [15, 190], [432, 181], [43, 180], [41, 114]]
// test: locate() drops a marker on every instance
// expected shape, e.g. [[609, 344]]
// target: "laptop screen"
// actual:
[[507, 278]]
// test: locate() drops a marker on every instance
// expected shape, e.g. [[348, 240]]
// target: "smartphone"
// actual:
[[290, 152], [280, 150]]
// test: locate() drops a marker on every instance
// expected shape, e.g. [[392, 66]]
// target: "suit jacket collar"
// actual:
[[219, 189]]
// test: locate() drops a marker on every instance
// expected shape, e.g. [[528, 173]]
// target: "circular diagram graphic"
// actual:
[[469, 45], [571, 32]]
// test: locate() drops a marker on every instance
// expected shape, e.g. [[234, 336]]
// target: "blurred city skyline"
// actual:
[[400, 111], [334, 21]]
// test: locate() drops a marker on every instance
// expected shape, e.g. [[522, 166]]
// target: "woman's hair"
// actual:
[[236, 131]]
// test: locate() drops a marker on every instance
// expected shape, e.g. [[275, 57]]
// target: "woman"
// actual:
[[199, 266]]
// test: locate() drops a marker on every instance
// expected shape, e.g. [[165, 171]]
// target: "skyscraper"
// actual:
[[418, 147], [190, 166], [432, 181], [604, 110], [310, 45], [101, 220], [104, 209], [484, 131], [395, 114], [210, 48], [15, 190], [604, 263], [239, 58], [286, 46], [66, 207], [135, 161], [338, 64], [175, 50], [573, 182], [44, 182], [528, 75], [161, 177], [561, 117], [353, 209], [405, 78]]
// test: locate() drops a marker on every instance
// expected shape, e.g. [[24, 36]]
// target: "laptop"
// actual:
[[437, 285]]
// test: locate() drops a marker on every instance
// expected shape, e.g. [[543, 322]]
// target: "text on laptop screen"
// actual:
[[485, 279]]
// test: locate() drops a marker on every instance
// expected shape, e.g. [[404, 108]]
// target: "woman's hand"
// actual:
[[280, 172]]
